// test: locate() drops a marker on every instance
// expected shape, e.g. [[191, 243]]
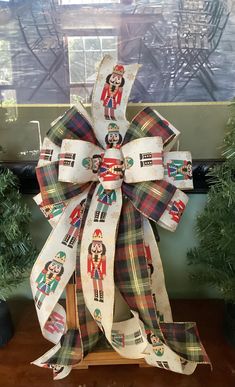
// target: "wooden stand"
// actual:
[[99, 356], [108, 357]]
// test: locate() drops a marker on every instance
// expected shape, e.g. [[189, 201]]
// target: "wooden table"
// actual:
[[28, 344]]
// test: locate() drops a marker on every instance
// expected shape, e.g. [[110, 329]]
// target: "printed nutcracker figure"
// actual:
[[92, 163], [112, 92], [57, 369], [176, 210], [49, 278], [128, 162], [157, 346], [50, 211], [179, 169], [113, 139], [150, 268], [75, 221], [98, 318], [55, 323], [111, 169], [96, 264], [105, 200]]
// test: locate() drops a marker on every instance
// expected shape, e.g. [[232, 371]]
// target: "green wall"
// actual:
[[201, 125]]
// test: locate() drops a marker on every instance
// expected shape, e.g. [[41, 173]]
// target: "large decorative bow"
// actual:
[[101, 181]]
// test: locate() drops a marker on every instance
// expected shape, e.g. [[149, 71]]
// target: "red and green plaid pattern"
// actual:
[[147, 123], [184, 339], [151, 198], [131, 269], [132, 279], [52, 190], [70, 352], [72, 125]]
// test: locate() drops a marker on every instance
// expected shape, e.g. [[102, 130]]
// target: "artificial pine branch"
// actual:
[[17, 252], [215, 255]]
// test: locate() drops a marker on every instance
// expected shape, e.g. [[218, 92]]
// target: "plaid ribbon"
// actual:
[[184, 339], [131, 269], [133, 281], [150, 198], [72, 125], [148, 123], [53, 190], [70, 352]]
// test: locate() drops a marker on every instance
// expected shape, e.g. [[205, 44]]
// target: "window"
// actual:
[[7, 93], [70, 2], [84, 53], [5, 63]]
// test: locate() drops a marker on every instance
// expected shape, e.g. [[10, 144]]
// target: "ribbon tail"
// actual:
[[90, 331], [132, 276], [50, 274], [156, 274], [59, 371], [159, 201], [70, 351], [97, 257]]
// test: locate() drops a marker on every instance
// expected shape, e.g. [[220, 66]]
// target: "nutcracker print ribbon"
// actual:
[[102, 180]]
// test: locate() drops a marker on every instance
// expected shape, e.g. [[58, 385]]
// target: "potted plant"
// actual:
[[17, 251], [214, 256]]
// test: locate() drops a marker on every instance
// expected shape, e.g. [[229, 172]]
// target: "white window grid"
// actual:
[[78, 2], [102, 51]]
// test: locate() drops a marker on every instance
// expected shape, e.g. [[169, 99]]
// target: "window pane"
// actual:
[[91, 59], [67, 2], [109, 43], [81, 94], [5, 63], [77, 67], [75, 43], [92, 44], [113, 53]]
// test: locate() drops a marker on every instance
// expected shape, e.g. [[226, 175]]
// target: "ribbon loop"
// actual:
[[111, 169], [144, 160], [149, 123], [151, 198], [73, 124], [79, 161], [53, 190]]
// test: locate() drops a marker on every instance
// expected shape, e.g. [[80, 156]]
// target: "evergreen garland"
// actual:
[[17, 251], [215, 254]]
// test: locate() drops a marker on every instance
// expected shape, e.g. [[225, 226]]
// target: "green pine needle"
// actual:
[[214, 258], [17, 251]]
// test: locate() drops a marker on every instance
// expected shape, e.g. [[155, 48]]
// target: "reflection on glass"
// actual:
[[48, 48], [5, 63], [84, 53], [69, 2]]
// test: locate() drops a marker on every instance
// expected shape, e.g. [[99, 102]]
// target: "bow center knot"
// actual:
[[111, 170]]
